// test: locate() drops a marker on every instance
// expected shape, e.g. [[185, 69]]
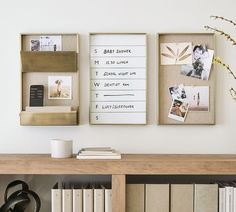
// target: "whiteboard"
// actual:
[[118, 82]]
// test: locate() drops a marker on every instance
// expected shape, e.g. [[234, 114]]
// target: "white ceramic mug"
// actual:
[[61, 148]]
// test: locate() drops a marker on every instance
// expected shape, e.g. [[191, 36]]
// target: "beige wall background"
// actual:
[[150, 16]]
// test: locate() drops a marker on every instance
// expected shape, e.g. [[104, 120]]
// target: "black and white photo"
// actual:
[[202, 62], [178, 92], [35, 45]]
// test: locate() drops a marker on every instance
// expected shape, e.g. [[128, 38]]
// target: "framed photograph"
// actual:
[[178, 110], [198, 98], [59, 87], [201, 66]]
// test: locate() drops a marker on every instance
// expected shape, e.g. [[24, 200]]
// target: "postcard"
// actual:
[[176, 53], [59, 87], [51, 43], [197, 97], [178, 110]]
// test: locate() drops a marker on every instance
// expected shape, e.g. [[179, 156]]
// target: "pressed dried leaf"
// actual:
[[184, 51], [185, 57], [171, 50], [167, 55]]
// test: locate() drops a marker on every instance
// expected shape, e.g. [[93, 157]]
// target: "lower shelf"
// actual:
[[48, 119]]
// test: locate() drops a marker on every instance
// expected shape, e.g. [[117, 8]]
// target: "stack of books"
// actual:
[[98, 153]]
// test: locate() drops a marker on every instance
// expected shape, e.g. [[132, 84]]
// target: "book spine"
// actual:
[[221, 199], [56, 200], [108, 200], [77, 200], [98, 200], [87, 200], [228, 199], [234, 199], [67, 200]]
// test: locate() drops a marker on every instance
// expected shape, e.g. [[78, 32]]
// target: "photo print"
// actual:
[[34, 45], [59, 87], [202, 62], [198, 98], [178, 92], [51, 43], [176, 53], [178, 110]]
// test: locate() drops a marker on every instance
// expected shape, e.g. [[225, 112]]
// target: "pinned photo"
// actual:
[[202, 62], [178, 110], [176, 53], [59, 87], [34, 45], [198, 98], [178, 92]]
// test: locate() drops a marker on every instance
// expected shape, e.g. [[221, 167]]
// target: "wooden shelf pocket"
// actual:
[[48, 119], [49, 61]]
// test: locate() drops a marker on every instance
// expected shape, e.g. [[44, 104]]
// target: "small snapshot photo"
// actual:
[[198, 98], [34, 45], [202, 62], [59, 87], [51, 43], [178, 110], [176, 53], [178, 92]]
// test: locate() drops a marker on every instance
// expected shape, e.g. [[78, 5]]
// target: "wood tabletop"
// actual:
[[130, 164]]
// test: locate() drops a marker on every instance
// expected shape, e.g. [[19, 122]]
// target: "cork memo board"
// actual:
[[169, 75]]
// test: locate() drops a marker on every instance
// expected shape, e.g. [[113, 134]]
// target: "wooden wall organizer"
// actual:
[[37, 66], [169, 75]]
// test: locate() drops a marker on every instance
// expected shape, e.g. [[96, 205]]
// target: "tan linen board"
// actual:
[[169, 75]]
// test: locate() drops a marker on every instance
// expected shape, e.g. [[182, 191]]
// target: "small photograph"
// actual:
[[51, 43], [34, 45], [178, 92], [178, 110], [198, 98], [176, 53], [202, 62], [59, 87]]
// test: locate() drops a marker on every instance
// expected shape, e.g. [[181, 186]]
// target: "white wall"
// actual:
[[149, 16]]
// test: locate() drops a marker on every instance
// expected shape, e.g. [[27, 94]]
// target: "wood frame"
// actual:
[[36, 66], [135, 164], [146, 87], [164, 99]]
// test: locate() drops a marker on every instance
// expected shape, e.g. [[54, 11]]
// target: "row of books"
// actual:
[[83, 199], [227, 197], [98, 153], [172, 198]]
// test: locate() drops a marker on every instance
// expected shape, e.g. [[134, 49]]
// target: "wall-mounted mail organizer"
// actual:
[[50, 79], [118, 82], [186, 80]]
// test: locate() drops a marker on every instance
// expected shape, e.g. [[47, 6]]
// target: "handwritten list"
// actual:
[[118, 78]]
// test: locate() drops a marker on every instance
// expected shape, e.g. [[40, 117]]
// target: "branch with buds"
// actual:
[[217, 60]]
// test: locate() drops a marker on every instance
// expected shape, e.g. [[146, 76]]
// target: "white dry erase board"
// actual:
[[118, 69]]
